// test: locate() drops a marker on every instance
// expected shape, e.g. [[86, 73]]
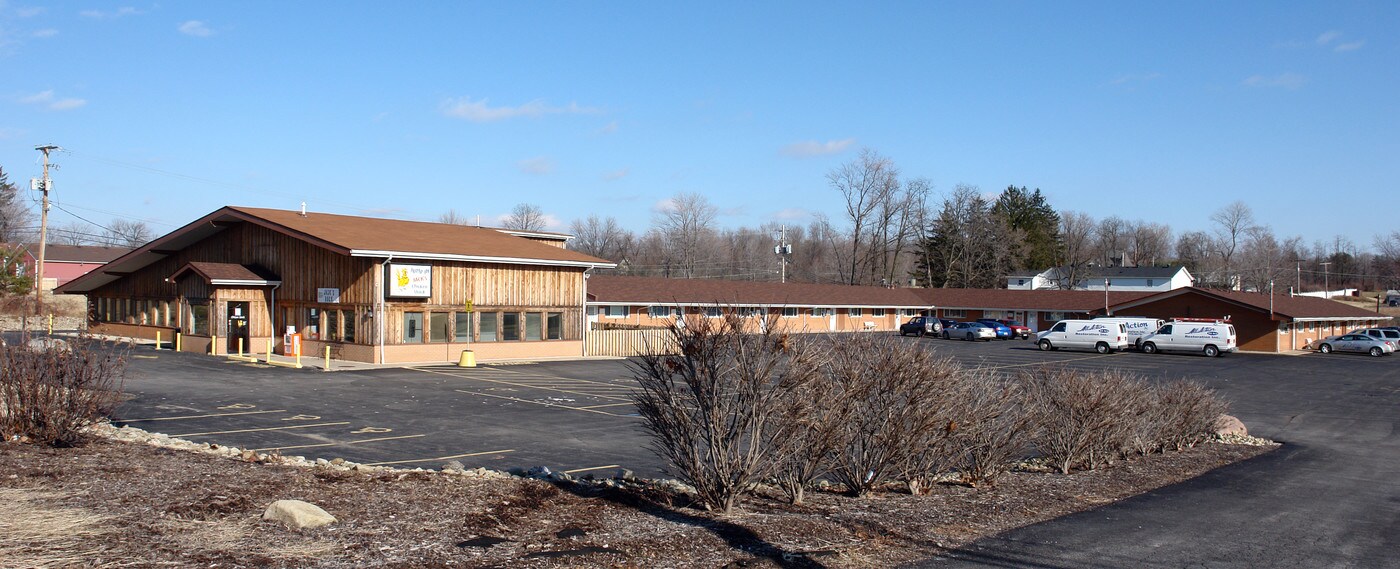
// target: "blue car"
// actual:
[[1003, 331]]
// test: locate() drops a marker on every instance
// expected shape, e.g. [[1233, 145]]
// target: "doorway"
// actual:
[[237, 326]]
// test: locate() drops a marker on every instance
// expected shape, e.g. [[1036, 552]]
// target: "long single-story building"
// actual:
[[63, 263], [373, 290], [643, 302]]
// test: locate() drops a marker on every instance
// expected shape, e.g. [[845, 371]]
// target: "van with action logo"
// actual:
[[1137, 326], [1099, 335], [1209, 337]]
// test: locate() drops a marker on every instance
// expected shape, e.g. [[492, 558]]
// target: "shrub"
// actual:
[[50, 396], [719, 412], [1189, 412], [1084, 417], [997, 423]]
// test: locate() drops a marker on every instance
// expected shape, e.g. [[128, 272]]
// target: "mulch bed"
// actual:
[[135, 505]]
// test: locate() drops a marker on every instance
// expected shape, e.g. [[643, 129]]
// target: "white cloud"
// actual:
[[481, 111], [29, 12], [539, 165], [1283, 80], [44, 33], [663, 206], [616, 174], [1133, 78], [118, 13], [1349, 46], [809, 148], [1328, 36], [608, 128], [195, 28], [792, 214], [47, 99]]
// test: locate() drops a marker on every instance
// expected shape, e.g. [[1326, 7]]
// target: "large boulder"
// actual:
[[297, 514], [1228, 425]]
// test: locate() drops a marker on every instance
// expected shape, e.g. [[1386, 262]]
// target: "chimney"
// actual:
[[303, 209]]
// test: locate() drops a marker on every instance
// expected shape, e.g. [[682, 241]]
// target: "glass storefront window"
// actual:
[[349, 335], [413, 327], [463, 327], [199, 319], [313, 324], [332, 325], [554, 328], [533, 330], [510, 326], [437, 326], [488, 327]]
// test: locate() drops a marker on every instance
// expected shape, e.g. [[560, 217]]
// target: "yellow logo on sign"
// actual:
[[403, 277]]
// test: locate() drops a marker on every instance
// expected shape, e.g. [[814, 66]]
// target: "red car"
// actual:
[[1018, 329]]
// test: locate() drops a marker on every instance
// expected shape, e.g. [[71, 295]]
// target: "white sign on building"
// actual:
[[410, 280], [328, 295]]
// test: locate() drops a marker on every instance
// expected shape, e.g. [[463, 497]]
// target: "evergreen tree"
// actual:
[[1037, 225]]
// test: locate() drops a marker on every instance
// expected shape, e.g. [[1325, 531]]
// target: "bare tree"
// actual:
[[686, 223], [867, 183], [599, 237], [1110, 239], [1388, 258], [525, 217], [1232, 223], [454, 218], [16, 221], [1076, 233], [1151, 242], [73, 233], [128, 233]]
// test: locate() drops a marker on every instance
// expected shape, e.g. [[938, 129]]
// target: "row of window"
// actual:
[[436, 327], [618, 311]]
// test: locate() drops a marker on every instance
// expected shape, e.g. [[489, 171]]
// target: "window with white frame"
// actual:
[[854, 312], [954, 313], [789, 312], [821, 312], [661, 311], [910, 312], [712, 312], [752, 312], [877, 313], [615, 311]]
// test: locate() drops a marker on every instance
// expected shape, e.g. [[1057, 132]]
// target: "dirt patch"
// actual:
[[115, 503]]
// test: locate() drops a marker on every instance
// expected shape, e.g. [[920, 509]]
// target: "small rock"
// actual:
[[1228, 425], [538, 472], [454, 466], [624, 474], [297, 514], [337, 461]]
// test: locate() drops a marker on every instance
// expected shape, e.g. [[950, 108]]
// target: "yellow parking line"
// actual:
[[197, 416], [541, 403], [263, 429], [516, 384], [449, 457], [588, 469], [340, 443]]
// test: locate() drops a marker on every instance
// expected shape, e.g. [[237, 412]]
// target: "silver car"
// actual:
[[970, 331], [1355, 343]]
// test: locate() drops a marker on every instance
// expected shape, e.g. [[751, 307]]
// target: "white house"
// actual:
[[1128, 279]]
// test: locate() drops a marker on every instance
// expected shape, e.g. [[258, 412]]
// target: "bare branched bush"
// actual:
[[50, 392], [881, 388], [1084, 416], [718, 412], [997, 420], [1189, 412]]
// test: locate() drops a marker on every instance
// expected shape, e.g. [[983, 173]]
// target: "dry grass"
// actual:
[[37, 532]]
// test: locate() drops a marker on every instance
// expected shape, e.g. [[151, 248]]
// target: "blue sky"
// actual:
[[1162, 111]]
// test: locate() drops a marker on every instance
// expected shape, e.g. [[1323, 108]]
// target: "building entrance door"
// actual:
[[238, 326]]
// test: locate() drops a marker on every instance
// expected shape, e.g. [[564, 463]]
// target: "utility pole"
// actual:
[[1326, 288], [1298, 282], [782, 250], [44, 185]]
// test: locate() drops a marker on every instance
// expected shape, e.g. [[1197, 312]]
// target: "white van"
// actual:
[[1099, 335], [1137, 326], [1210, 337]]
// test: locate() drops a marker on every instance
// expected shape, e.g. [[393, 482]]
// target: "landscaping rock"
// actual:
[[1228, 425], [453, 466], [297, 514]]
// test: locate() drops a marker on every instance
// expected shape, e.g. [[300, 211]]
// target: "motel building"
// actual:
[[372, 290], [1262, 325]]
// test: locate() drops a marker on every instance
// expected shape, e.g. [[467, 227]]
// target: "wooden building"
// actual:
[[373, 290]]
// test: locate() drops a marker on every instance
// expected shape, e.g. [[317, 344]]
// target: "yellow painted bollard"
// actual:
[[213, 345], [157, 340], [240, 347], [328, 358], [50, 324], [298, 359], [178, 338], [468, 359]]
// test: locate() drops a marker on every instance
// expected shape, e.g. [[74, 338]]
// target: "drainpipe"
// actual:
[[583, 336], [271, 317], [379, 318]]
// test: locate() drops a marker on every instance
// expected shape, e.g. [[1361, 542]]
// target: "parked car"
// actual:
[[1003, 331], [1102, 337], [1359, 343], [947, 323], [920, 326], [1210, 337], [1020, 330], [969, 331], [1389, 334]]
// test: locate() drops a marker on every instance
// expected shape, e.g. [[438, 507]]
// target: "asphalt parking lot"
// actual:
[[1327, 498]]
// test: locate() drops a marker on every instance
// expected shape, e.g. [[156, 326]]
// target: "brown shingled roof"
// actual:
[[56, 253], [1283, 305], [653, 290], [227, 272], [1007, 299], [354, 233]]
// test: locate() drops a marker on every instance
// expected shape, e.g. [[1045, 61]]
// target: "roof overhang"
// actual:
[[712, 303], [416, 256]]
